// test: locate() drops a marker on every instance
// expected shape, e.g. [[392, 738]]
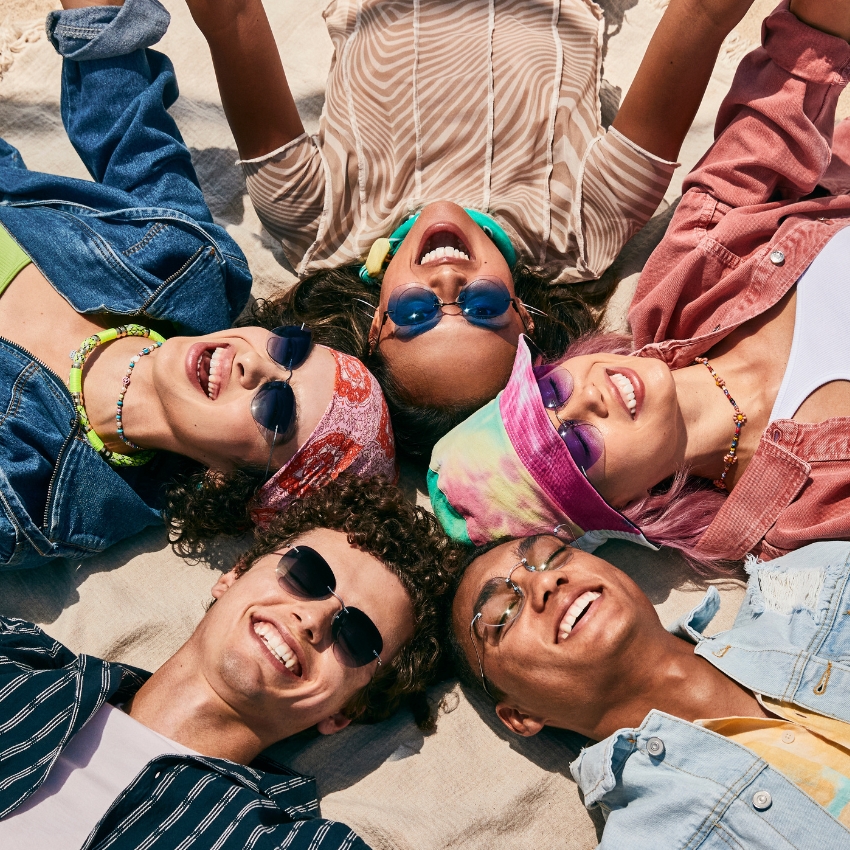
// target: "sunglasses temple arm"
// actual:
[[271, 453]]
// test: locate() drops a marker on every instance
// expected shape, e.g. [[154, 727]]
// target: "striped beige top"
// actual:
[[492, 104]]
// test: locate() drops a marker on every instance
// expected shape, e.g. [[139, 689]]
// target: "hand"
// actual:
[[831, 16]]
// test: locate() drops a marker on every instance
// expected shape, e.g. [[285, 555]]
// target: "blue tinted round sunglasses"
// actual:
[[273, 405], [416, 309]]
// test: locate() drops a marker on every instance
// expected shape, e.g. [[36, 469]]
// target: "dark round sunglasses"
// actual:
[[417, 308], [273, 405], [303, 572]]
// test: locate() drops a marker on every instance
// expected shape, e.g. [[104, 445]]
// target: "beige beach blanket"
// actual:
[[471, 784]]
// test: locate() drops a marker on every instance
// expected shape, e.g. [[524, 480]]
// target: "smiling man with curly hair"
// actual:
[[331, 617]]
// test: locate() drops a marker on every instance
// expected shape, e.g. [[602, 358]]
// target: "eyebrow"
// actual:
[[489, 588], [519, 552]]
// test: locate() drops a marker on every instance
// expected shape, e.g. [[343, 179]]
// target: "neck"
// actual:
[[179, 703], [678, 682], [102, 376], [708, 421]]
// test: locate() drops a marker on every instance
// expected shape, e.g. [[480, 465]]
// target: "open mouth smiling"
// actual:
[[210, 367], [629, 388], [575, 611], [278, 646], [443, 245]]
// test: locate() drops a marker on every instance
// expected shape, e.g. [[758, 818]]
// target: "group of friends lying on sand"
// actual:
[[444, 223]]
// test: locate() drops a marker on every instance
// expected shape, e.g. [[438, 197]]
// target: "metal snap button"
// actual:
[[777, 258], [761, 801], [776, 435], [655, 747], [788, 737]]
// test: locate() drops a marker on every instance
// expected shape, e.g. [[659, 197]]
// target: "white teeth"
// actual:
[[627, 391], [574, 611], [271, 637], [215, 374], [439, 253]]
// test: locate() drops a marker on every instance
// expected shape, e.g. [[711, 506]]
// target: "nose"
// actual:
[[313, 618], [253, 367], [587, 398], [539, 586], [446, 281]]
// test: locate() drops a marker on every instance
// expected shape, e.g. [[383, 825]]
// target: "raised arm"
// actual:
[[115, 100], [774, 128], [663, 99], [254, 92]]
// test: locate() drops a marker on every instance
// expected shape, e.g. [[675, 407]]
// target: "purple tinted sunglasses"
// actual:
[[583, 440]]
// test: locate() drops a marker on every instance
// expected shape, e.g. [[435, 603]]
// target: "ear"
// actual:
[[224, 583], [375, 328], [527, 318], [523, 724], [333, 724]]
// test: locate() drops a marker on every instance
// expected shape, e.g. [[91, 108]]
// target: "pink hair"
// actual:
[[678, 516]]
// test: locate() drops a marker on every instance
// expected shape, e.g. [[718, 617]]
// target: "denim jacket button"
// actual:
[[777, 258], [761, 801], [655, 747], [776, 435]]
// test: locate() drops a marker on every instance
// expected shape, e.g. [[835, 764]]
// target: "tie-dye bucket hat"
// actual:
[[506, 472]]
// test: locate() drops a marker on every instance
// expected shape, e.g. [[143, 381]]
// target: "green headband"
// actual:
[[384, 248]]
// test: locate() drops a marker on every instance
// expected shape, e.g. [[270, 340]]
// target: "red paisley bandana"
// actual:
[[354, 435]]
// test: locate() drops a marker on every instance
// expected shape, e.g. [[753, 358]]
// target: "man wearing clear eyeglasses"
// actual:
[[739, 740]]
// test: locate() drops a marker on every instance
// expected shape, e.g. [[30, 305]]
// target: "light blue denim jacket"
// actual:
[[697, 789], [138, 242]]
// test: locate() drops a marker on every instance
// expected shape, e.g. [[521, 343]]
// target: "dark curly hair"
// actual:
[[203, 504], [408, 541], [331, 304]]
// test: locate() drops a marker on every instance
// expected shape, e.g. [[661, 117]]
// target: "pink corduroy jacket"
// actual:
[[743, 233]]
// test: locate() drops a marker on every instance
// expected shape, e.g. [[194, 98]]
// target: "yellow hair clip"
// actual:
[[378, 254]]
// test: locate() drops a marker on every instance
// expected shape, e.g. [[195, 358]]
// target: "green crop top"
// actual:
[[13, 258]]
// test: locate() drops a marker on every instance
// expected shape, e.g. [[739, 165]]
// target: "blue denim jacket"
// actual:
[[790, 641], [139, 242]]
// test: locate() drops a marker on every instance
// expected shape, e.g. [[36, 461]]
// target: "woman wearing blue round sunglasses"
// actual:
[[510, 126]]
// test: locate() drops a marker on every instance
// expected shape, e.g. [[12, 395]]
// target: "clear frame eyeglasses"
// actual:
[[501, 600]]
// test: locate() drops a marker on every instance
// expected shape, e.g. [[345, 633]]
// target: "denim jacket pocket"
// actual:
[[200, 282]]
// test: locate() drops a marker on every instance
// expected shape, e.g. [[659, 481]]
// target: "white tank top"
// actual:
[[100, 761], [819, 349]]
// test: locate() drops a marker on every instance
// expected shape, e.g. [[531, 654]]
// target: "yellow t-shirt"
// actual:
[[810, 750], [12, 258]]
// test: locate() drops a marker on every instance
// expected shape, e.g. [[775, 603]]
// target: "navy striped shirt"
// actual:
[[47, 694]]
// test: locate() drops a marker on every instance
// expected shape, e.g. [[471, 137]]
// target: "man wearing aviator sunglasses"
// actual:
[[735, 739], [309, 629]]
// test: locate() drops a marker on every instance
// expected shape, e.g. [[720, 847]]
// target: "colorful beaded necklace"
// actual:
[[75, 383], [740, 419]]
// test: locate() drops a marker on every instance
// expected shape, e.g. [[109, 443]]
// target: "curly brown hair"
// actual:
[[201, 505], [338, 306], [408, 541]]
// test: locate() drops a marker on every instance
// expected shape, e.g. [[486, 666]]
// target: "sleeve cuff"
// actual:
[[804, 51], [283, 149], [103, 32], [612, 131]]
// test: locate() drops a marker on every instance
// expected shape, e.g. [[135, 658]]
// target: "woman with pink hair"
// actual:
[[721, 427]]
